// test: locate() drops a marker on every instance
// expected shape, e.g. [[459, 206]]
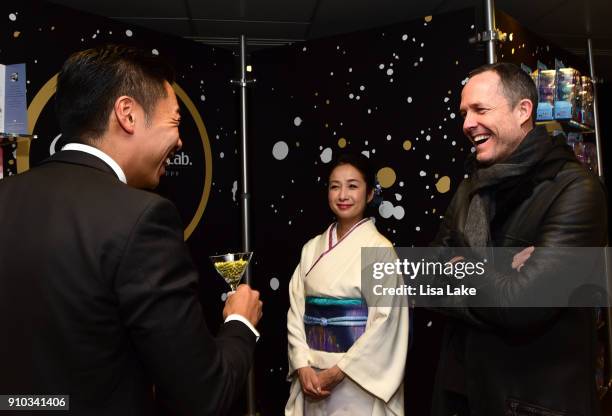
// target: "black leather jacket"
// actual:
[[526, 361]]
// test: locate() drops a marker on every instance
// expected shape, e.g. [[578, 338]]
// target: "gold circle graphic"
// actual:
[[342, 142], [443, 184], [386, 177], [407, 145], [48, 90]]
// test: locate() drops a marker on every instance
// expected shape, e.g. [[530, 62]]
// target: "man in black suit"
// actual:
[[98, 293]]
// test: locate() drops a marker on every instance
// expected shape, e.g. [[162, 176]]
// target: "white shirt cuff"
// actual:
[[236, 317]]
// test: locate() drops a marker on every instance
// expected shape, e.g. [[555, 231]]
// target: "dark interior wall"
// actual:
[[391, 92]]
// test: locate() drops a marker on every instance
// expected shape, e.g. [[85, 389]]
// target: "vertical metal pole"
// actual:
[[245, 196], [491, 29], [245, 199], [600, 170]]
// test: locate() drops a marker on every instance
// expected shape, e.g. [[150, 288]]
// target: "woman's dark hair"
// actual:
[[359, 162], [364, 166]]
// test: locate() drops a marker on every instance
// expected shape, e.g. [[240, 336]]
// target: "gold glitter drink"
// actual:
[[231, 266]]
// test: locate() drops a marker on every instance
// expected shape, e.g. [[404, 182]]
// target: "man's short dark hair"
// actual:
[[516, 83], [90, 81]]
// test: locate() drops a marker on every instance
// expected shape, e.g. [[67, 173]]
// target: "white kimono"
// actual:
[[374, 365]]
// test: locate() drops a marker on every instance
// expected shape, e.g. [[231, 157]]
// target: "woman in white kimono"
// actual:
[[345, 357]]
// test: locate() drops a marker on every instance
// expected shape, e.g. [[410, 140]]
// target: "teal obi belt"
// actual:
[[333, 325]]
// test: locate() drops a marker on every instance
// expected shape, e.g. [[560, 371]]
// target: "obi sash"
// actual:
[[333, 325]]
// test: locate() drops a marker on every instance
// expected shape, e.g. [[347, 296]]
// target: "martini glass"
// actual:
[[231, 266]]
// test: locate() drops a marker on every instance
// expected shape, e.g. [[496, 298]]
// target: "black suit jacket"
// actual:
[[98, 297]]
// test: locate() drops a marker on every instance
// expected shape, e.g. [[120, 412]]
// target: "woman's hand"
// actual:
[[311, 385], [330, 378]]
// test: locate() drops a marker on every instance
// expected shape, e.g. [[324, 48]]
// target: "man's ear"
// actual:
[[125, 114], [524, 109]]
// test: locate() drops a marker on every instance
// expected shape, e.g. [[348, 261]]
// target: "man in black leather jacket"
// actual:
[[527, 190]]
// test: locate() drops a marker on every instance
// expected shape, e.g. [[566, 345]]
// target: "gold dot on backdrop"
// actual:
[[386, 177], [443, 184], [16, 34], [428, 18], [407, 145], [342, 142], [326, 101]]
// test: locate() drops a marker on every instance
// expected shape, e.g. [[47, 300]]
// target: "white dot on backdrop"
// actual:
[[454, 143], [409, 99], [297, 121], [422, 44], [401, 184], [405, 37], [274, 283], [398, 213], [452, 115], [381, 66], [398, 197], [223, 297], [221, 155], [446, 99], [12, 17], [472, 149], [422, 173], [351, 96], [129, 33], [421, 59], [155, 52], [202, 97], [388, 137], [417, 228], [331, 74], [369, 111], [280, 150], [427, 157], [326, 155], [361, 88], [357, 97], [389, 71], [428, 137], [386, 209]]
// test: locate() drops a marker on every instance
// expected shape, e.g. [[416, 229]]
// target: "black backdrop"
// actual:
[[379, 91], [391, 92]]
